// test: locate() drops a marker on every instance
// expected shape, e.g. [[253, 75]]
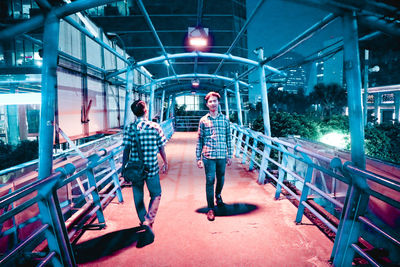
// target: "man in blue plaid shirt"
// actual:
[[152, 141], [214, 150]]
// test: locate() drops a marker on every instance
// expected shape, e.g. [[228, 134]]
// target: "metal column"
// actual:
[[353, 80], [49, 85], [12, 122], [365, 95], [151, 101], [162, 106], [396, 106], [238, 104], [173, 106], [169, 108], [128, 93], [264, 95], [226, 103]]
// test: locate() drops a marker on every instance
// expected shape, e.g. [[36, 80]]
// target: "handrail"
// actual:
[[247, 143]]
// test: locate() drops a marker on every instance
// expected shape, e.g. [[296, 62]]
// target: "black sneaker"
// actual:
[[219, 201]]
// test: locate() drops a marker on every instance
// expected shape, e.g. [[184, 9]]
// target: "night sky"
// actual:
[[280, 21], [277, 23]]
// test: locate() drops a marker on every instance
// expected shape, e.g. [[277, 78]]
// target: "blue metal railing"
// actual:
[[272, 157], [52, 212]]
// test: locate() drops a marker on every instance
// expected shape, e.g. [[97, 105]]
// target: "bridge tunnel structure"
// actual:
[[86, 61]]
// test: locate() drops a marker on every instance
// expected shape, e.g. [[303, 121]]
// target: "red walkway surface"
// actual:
[[266, 236]]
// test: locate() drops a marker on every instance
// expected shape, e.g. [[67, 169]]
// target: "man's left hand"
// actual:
[[229, 162]]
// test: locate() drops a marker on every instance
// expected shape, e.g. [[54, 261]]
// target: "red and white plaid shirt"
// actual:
[[214, 138]]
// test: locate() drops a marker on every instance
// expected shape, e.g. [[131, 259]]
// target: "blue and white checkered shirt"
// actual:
[[214, 138], [151, 138]]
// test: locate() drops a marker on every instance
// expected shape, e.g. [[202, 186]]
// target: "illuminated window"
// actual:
[[388, 98]]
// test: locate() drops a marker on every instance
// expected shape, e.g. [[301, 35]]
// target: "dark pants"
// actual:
[[214, 168], [154, 187]]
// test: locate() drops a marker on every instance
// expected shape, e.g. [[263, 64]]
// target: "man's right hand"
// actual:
[[200, 164]]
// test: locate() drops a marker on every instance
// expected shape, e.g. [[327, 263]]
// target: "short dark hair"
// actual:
[[210, 94], [138, 108]]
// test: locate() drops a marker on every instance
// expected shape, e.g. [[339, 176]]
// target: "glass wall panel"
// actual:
[[70, 103], [97, 110], [112, 106]]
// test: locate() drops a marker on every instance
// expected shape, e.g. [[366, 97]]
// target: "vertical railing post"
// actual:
[[348, 232], [239, 142], [49, 90], [264, 161], [304, 191], [56, 235], [246, 145], [162, 106], [115, 176], [253, 153], [281, 172], [95, 193]]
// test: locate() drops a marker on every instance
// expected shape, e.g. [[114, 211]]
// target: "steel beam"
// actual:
[[198, 54], [150, 24], [239, 35], [195, 75], [60, 12], [301, 38], [353, 81]]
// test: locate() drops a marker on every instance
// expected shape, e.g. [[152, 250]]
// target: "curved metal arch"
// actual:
[[195, 75], [204, 87], [198, 54]]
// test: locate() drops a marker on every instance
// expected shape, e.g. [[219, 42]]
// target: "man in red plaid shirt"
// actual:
[[214, 150]]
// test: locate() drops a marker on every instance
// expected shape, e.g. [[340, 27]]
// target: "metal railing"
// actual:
[[272, 156], [53, 212], [187, 123]]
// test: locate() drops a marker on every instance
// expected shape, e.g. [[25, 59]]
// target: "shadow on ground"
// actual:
[[111, 243], [231, 209]]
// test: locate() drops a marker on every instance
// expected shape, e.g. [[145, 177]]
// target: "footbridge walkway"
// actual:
[[306, 207]]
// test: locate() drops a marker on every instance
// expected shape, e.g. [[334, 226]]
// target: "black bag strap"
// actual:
[[138, 147]]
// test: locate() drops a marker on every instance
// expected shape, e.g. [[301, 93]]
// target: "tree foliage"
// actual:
[[285, 124], [332, 98]]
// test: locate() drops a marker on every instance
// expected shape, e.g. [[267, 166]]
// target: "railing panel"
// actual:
[[317, 176]]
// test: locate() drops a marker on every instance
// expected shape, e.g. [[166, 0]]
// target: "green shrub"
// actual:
[[23, 152]]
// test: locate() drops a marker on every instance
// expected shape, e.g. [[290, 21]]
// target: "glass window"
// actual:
[[19, 51], [28, 48], [2, 62], [17, 9], [388, 98]]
